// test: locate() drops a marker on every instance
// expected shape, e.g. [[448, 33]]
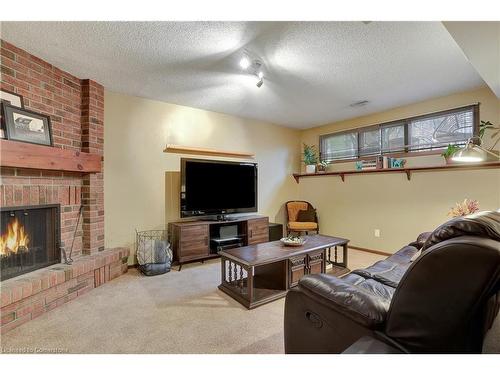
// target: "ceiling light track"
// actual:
[[253, 66]]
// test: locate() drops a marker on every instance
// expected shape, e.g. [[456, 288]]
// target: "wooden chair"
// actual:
[[292, 211]]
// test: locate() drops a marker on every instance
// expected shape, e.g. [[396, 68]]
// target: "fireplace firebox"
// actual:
[[29, 239]]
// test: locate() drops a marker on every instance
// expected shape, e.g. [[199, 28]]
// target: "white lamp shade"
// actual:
[[470, 153]]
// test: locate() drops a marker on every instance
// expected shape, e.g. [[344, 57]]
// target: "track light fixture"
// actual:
[[244, 63], [254, 66]]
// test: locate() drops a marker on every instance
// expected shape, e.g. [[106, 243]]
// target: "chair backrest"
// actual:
[[443, 302], [293, 208]]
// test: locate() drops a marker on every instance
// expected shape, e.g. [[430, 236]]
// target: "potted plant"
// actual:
[[467, 207], [321, 166], [485, 125], [310, 158], [448, 153]]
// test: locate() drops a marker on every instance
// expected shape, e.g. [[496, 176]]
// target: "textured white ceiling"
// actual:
[[314, 69]]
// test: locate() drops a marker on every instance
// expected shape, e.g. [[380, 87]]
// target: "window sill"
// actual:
[[392, 155]]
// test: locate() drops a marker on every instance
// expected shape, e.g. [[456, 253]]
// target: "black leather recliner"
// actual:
[[444, 301]]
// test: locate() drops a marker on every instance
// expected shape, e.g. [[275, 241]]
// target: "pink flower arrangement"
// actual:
[[467, 207]]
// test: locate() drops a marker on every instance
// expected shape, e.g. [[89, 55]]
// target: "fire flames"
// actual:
[[15, 239]]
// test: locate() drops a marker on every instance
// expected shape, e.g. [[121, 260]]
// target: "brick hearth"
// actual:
[[76, 110], [28, 296]]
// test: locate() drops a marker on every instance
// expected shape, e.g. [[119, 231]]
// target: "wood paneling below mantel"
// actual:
[[26, 155]]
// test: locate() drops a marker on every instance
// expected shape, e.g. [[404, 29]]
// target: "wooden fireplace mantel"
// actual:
[[26, 155]]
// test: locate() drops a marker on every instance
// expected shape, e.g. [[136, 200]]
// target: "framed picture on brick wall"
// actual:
[[26, 126], [12, 99]]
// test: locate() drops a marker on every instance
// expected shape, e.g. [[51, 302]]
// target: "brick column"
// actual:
[[92, 121]]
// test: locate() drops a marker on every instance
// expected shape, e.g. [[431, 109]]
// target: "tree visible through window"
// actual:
[[341, 146], [421, 133], [441, 130]]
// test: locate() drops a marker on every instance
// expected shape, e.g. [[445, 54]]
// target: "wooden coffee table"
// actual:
[[257, 274]]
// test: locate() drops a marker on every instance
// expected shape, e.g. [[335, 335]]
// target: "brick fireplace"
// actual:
[[29, 239], [76, 110]]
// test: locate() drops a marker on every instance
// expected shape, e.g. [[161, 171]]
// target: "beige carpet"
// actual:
[[179, 312]]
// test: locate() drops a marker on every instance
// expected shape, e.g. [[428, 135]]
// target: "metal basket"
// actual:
[[153, 252]]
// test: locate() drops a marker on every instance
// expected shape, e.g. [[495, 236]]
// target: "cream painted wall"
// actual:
[[401, 209], [141, 181]]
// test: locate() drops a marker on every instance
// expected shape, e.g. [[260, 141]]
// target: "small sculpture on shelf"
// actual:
[[322, 166], [397, 163]]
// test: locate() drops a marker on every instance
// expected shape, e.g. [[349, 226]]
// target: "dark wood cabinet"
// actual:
[[316, 262], [258, 230], [297, 267], [305, 265], [190, 240], [194, 242]]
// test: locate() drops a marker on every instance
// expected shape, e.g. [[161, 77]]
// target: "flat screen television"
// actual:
[[212, 187]]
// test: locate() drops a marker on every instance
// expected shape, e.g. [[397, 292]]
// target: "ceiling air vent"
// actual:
[[361, 103]]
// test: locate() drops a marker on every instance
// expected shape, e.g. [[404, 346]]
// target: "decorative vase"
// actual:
[[310, 169]]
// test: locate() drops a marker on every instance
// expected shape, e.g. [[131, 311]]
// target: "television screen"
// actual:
[[210, 187]]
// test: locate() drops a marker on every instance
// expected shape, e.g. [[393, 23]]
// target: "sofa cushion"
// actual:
[[294, 207], [297, 225], [370, 285], [482, 224], [385, 272], [362, 306], [308, 215]]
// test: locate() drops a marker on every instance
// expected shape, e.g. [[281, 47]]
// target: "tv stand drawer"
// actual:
[[258, 230], [193, 233], [194, 242]]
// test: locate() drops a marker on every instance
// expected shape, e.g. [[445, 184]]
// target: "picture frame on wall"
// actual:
[[11, 98], [26, 126]]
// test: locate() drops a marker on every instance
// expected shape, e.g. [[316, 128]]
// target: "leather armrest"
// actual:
[[356, 303]]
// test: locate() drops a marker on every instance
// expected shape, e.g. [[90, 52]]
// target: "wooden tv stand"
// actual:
[[191, 240]]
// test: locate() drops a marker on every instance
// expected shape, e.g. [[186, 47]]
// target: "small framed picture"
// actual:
[[11, 98], [26, 126]]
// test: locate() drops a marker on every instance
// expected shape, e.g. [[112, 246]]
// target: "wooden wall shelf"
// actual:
[[407, 171], [26, 155], [176, 149]]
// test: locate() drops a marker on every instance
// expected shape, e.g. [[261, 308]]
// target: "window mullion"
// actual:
[[380, 140], [406, 136], [359, 143]]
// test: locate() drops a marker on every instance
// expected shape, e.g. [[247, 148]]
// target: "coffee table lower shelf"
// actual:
[[260, 295]]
